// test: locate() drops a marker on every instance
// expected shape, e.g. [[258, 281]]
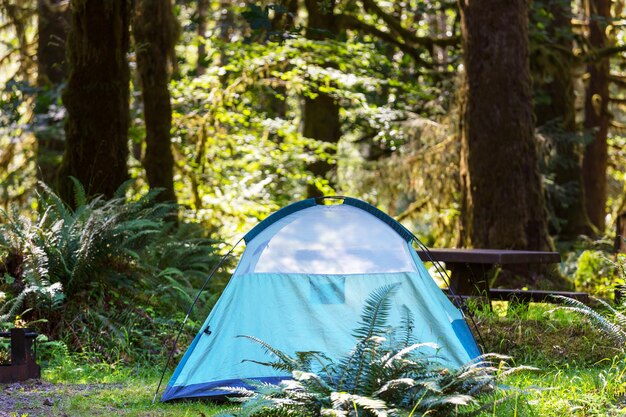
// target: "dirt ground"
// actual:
[[36, 398]]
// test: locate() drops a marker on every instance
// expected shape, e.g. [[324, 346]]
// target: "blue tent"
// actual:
[[301, 284]]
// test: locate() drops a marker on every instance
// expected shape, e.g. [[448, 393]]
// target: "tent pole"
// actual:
[[446, 278], [182, 326]]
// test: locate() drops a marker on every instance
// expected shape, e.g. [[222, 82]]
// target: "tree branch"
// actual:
[[409, 37], [414, 207], [351, 22], [618, 125], [617, 79], [611, 50]]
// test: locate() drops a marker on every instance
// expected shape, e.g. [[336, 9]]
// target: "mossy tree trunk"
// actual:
[[97, 98], [596, 123], [321, 114], [53, 21], [202, 11], [155, 31], [556, 114], [503, 205], [620, 233]]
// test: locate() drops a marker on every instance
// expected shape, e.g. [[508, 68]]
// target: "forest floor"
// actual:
[[39, 398], [578, 374], [591, 391]]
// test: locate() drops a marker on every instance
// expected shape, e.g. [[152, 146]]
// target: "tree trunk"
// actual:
[[321, 114], [502, 204], [97, 98], [596, 122], [202, 10], [620, 233], [154, 30], [557, 116], [53, 25]]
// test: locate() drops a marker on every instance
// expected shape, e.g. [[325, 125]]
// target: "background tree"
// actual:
[[155, 32], [553, 67], [596, 114], [502, 204], [53, 22], [320, 112], [97, 98]]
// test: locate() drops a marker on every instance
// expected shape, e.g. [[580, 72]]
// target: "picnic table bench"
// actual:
[[470, 270]]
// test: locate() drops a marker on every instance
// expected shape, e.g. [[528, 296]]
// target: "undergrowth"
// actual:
[[542, 337], [110, 277]]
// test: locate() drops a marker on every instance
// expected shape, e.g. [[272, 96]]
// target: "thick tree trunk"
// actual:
[[557, 115], [321, 114], [597, 117], [503, 204], [97, 98], [53, 25], [154, 30]]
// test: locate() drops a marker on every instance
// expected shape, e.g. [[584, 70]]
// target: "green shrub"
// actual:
[[596, 273], [384, 375], [108, 276]]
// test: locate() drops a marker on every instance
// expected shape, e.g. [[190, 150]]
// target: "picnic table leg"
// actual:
[[470, 279]]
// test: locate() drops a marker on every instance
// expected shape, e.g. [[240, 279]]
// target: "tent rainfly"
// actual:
[[301, 284]]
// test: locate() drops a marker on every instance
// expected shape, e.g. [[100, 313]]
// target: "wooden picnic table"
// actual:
[[470, 271]]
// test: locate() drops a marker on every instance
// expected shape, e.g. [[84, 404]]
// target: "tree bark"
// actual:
[[154, 30], [321, 114], [502, 205], [595, 158], [620, 233], [557, 116], [97, 98], [202, 10], [53, 25]]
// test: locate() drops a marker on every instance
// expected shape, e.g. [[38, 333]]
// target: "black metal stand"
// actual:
[[23, 364]]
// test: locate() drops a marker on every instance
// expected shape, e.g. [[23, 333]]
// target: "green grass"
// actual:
[[598, 390], [572, 391], [69, 388], [133, 398], [580, 372]]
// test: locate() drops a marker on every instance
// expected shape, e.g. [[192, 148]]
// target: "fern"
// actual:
[[111, 258], [612, 322], [377, 378]]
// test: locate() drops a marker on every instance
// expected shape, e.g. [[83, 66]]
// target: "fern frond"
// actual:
[[80, 196], [375, 312], [407, 325], [602, 323], [345, 401], [289, 363]]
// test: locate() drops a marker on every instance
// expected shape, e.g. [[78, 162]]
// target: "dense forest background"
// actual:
[[485, 124]]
